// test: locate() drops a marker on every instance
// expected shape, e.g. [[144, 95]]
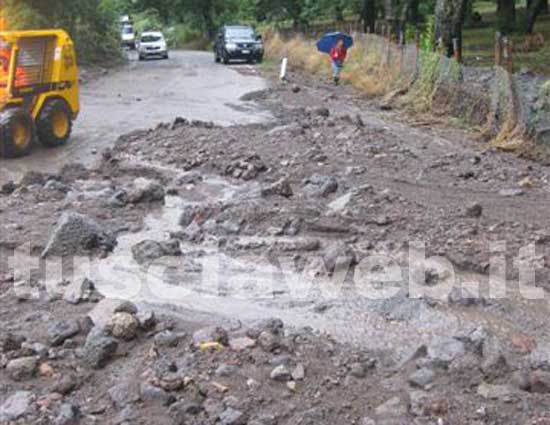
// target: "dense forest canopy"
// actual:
[[94, 23]]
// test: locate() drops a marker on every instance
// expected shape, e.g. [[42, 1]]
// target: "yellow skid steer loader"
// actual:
[[39, 93]]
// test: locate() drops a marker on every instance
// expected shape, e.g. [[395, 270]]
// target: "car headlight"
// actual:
[[231, 46]]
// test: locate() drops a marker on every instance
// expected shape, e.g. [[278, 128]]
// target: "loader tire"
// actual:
[[16, 133], [55, 123]]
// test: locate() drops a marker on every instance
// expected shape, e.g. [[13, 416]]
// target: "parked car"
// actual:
[[152, 44], [236, 42], [128, 36]]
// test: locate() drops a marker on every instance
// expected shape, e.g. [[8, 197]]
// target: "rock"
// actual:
[[539, 382], [320, 185], [79, 292], [296, 89], [489, 391], [211, 334], [16, 406], [269, 341], [474, 210], [509, 193], [322, 112], [281, 374], [273, 325], [69, 414], [148, 251], [65, 384], [167, 339], [127, 307], [61, 331], [8, 188], [299, 372], [149, 392], [358, 370], [540, 356], [461, 297], [418, 403], [180, 410], [76, 234], [123, 326], [242, 344], [521, 380], [98, 349], [145, 191], [147, 319], [395, 406], [232, 416], [421, 378], [281, 188], [443, 350], [23, 368], [9, 342], [494, 364], [339, 256], [123, 394], [226, 371]]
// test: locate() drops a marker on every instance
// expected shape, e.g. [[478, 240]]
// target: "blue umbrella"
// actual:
[[329, 40]]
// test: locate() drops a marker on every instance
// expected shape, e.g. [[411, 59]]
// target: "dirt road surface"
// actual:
[[193, 225], [142, 95]]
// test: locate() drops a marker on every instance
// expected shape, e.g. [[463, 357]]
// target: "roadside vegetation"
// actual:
[[193, 23]]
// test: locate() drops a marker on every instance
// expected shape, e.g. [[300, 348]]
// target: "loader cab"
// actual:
[[39, 93]]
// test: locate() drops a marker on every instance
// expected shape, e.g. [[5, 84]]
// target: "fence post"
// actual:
[[498, 49], [457, 50], [507, 52]]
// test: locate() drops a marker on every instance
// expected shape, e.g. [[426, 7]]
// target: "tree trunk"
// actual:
[[533, 11], [506, 16], [368, 15], [449, 19]]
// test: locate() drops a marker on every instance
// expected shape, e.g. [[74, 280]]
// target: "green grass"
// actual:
[[479, 42]]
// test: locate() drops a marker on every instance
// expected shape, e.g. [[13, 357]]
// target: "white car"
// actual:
[[152, 44]]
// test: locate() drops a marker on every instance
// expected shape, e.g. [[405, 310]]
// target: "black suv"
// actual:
[[238, 42]]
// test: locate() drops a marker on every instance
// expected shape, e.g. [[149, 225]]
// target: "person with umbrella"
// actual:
[[336, 44]]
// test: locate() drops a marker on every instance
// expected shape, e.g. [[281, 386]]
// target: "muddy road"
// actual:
[[142, 95]]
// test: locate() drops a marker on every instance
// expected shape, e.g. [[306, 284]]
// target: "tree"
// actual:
[[449, 19], [506, 16], [534, 9]]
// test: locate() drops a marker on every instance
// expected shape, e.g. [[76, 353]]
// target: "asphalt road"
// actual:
[[142, 95]]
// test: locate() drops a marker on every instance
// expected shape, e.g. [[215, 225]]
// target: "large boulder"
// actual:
[[76, 234]]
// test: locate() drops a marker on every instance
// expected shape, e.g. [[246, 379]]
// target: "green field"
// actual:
[[479, 42]]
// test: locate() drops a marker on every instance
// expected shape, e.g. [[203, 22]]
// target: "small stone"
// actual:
[[69, 414], [211, 334], [269, 341], [166, 339], [226, 371], [232, 416], [299, 372], [509, 193], [395, 406], [281, 374], [147, 319], [520, 379], [126, 307], [16, 406], [474, 210], [123, 326], [123, 395], [489, 391], [358, 370], [149, 392], [296, 89], [539, 382], [22, 368], [79, 292], [61, 331], [443, 350], [242, 344], [291, 385], [9, 342], [422, 377]]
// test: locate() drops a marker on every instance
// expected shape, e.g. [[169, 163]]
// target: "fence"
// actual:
[[486, 97]]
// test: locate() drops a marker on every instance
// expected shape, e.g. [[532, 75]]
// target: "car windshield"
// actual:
[[240, 33], [127, 30], [151, 38]]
